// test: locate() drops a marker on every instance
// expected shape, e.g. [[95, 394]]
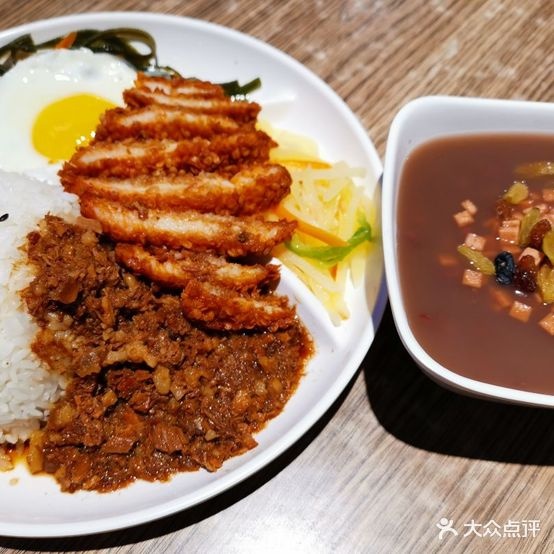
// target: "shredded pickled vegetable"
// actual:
[[336, 221], [331, 255]]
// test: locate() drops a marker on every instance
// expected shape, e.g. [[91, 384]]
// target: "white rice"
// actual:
[[27, 389]]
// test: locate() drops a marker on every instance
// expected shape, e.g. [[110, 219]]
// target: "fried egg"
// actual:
[[51, 103]]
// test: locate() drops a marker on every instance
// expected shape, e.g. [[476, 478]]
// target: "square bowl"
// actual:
[[420, 121]]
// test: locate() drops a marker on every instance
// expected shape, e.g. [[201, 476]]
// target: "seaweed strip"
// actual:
[[117, 42]]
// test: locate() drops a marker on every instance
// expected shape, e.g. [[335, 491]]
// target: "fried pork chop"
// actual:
[[224, 234], [182, 177], [175, 268], [238, 110], [163, 122], [251, 190], [224, 154], [177, 85], [225, 309]]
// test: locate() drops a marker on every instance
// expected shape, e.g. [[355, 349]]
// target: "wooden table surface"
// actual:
[[396, 453]]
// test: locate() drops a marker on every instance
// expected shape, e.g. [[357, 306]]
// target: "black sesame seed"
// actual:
[[4, 217]]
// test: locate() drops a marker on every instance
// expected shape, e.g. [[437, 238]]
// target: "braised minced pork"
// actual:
[[149, 392]]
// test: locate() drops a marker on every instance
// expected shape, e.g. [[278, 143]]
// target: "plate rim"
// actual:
[[355, 356]]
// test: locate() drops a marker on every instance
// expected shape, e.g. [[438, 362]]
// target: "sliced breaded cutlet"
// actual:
[[239, 110], [224, 309], [224, 234], [253, 189], [179, 85], [163, 122], [175, 268], [224, 154]]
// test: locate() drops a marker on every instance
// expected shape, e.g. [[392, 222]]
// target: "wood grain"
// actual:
[[396, 453]]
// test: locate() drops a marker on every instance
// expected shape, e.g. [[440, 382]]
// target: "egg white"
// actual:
[[41, 79]]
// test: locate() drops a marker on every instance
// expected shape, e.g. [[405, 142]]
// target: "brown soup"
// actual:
[[465, 328]]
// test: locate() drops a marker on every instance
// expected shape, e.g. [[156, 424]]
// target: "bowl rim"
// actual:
[[391, 173]]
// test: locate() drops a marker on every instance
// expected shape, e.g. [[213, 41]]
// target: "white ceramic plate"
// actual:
[[295, 99]]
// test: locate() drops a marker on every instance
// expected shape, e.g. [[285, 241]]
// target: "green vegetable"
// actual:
[[548, 245], [330, 255], [233, 88], [17, 49], [535, 169], [527, 223], [479, 260], [517, 193], [119, 42], [545, 283]]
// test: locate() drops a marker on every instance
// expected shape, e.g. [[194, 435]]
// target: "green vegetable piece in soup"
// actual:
[[535, 169], [545, 283], [479, 260], [527, 223], [517, 193], [548, 245]]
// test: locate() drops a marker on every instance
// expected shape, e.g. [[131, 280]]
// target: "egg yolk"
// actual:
[[67, 123]]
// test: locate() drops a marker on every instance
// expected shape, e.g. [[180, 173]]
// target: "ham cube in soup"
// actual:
[[547, 323], [548, 194], [472, 278], [463, 218], [521, 311], [469, 206], [509, 230], [476, 242]]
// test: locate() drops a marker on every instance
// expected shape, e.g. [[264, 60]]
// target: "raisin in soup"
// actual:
[[453, 191]]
